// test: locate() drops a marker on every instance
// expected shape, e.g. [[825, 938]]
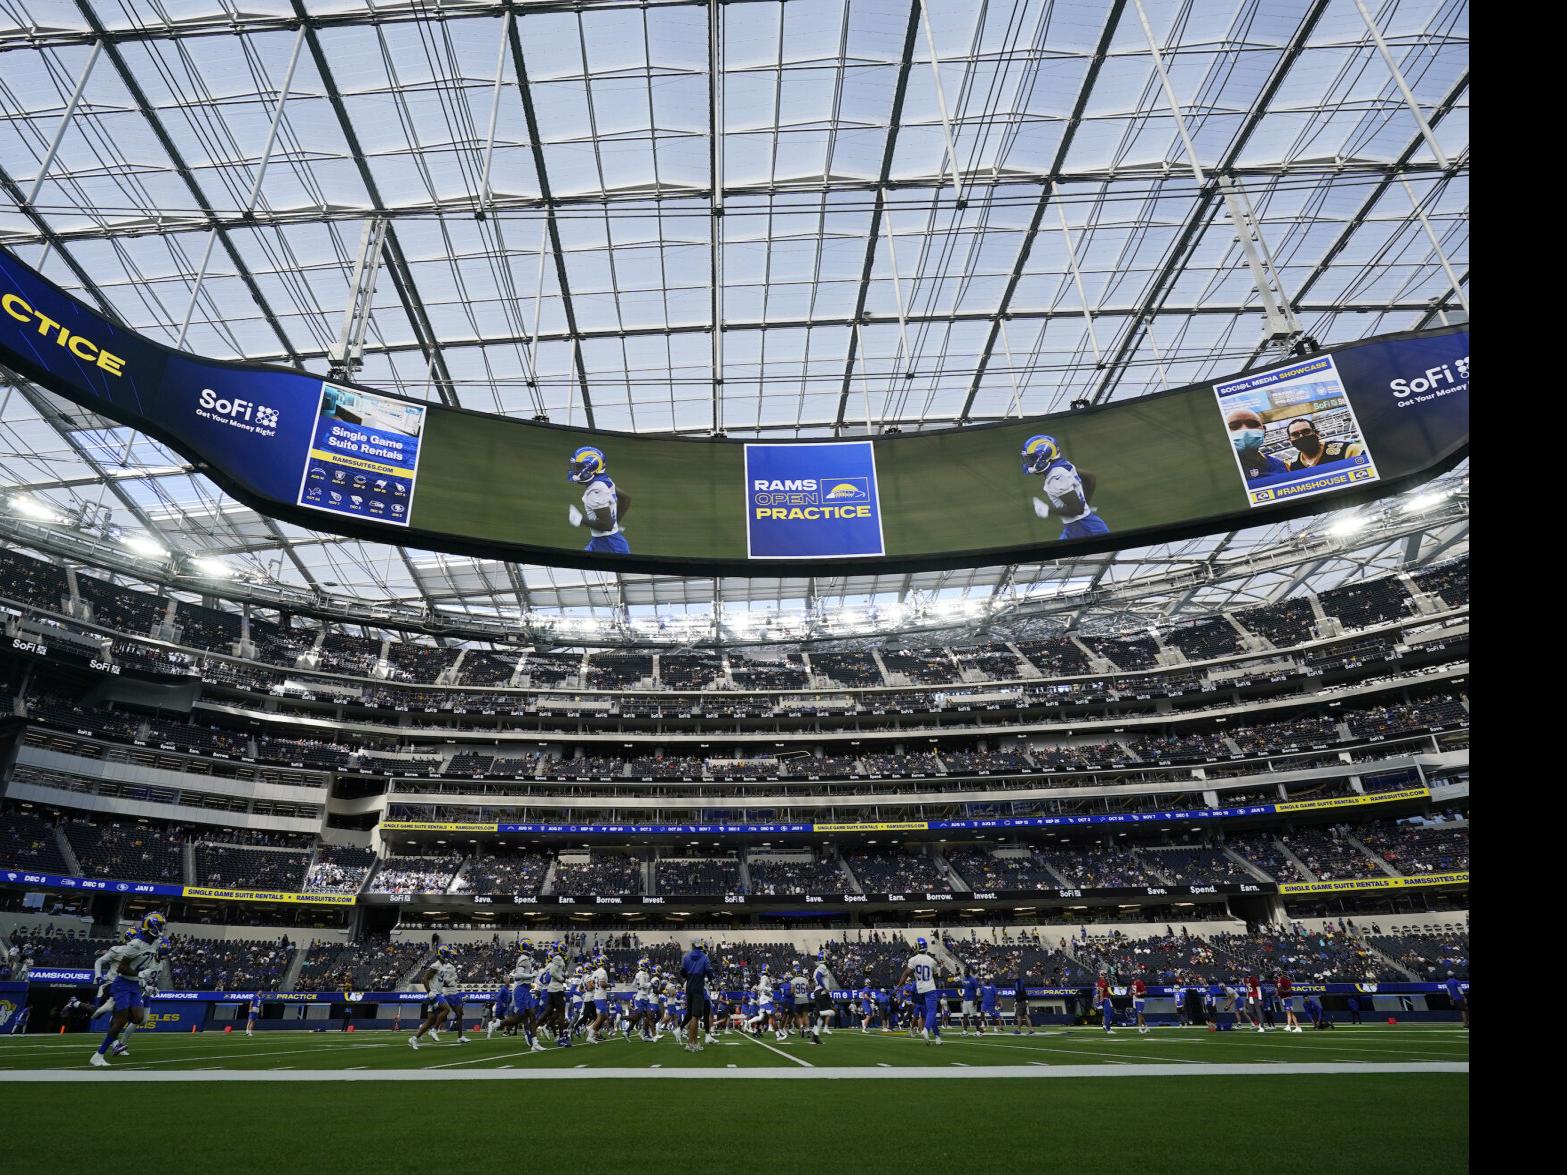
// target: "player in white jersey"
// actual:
[[921, 968], [555, 987], [825, 1010], [524, 1010], [642, 1000], [595, 998], [100, 966], [439, 979], [1067, 489], [122, 964]]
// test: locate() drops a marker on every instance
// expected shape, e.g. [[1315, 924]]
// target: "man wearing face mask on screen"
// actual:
[[1311, 450], [1246, 433]]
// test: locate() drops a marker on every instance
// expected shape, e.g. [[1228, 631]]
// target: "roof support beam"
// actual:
[[1191, 232], [139, 96], [715, 232], [396, 262], [536, 143], [1031, 234], [65, 122], [894, 120]]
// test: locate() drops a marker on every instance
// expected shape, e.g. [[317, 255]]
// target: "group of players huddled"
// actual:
[[547, 997]]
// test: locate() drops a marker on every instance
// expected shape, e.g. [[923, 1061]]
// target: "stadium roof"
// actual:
[[916, 214]]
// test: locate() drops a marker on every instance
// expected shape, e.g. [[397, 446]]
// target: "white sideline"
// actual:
[[847, 1073]]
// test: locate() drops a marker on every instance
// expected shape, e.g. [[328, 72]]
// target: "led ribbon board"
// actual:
[[1357, 422]]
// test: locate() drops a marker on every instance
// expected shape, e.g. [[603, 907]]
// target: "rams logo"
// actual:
[[848, 489], [6, 1009]]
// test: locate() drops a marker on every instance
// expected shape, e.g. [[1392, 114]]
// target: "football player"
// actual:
[[123, 965], [920, 970], [1068, 490], [438, 979], [603, 504]]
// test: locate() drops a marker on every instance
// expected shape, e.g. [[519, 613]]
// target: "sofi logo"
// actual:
[[238, 409]]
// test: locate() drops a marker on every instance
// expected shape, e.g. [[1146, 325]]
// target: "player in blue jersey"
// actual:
[[989, 1008], [867, 997], [123, 965], [969, 986], [254, 1014], [1068, 490], [920, 971], [603, 503], [500, 1007], [1457, 996]]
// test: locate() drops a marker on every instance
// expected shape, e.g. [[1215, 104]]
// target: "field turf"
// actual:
[[1390, 1099]]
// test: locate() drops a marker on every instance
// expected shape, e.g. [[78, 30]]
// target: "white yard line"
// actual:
[[781, 1053], [845, 1073]]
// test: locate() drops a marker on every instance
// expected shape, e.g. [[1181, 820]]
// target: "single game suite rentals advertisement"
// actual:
[[364, 456]]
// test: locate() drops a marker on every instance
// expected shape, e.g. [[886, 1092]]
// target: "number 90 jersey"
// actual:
[[923, 968]]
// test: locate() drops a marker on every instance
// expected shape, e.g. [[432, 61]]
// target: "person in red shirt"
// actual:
[[1254, 1002], [1103, 1003], [1139, 1003], [1286, 990]]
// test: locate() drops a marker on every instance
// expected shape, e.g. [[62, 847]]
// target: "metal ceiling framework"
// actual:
[[804, 219]]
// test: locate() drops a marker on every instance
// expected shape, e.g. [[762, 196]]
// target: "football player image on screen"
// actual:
[[1312, 451], [1247, 433], [1068, 490], [603, 504]]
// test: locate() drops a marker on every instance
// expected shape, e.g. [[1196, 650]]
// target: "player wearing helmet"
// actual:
[[123, 966], [1068, 490], [603, 503], [440, 980], [921, 971]]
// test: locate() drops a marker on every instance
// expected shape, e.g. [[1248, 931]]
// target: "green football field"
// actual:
[[1378, 1097]]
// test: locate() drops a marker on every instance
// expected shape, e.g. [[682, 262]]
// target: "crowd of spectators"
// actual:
[[784, 875], [1196, 864], [1098, 867], [504, 872], [1419, 847], [28, 841], [710, 877], [373, 964], [250, 868], [1429, 957], [984, 871], [226, 964], [129, 852], [416, 874], [339, 869], [896, 871], [607, 874], [1329, 853]]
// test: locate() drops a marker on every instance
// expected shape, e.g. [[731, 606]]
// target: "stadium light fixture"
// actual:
[[27, 506], [1344, 527], [212, 568], [1425, 500], [145, 545]]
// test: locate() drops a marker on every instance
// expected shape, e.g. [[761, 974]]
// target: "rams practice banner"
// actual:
[[1362, 420]]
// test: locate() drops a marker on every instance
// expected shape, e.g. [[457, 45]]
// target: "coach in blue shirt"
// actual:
[[694, 968]]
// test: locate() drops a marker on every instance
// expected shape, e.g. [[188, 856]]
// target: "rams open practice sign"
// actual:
[[812, 501]]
